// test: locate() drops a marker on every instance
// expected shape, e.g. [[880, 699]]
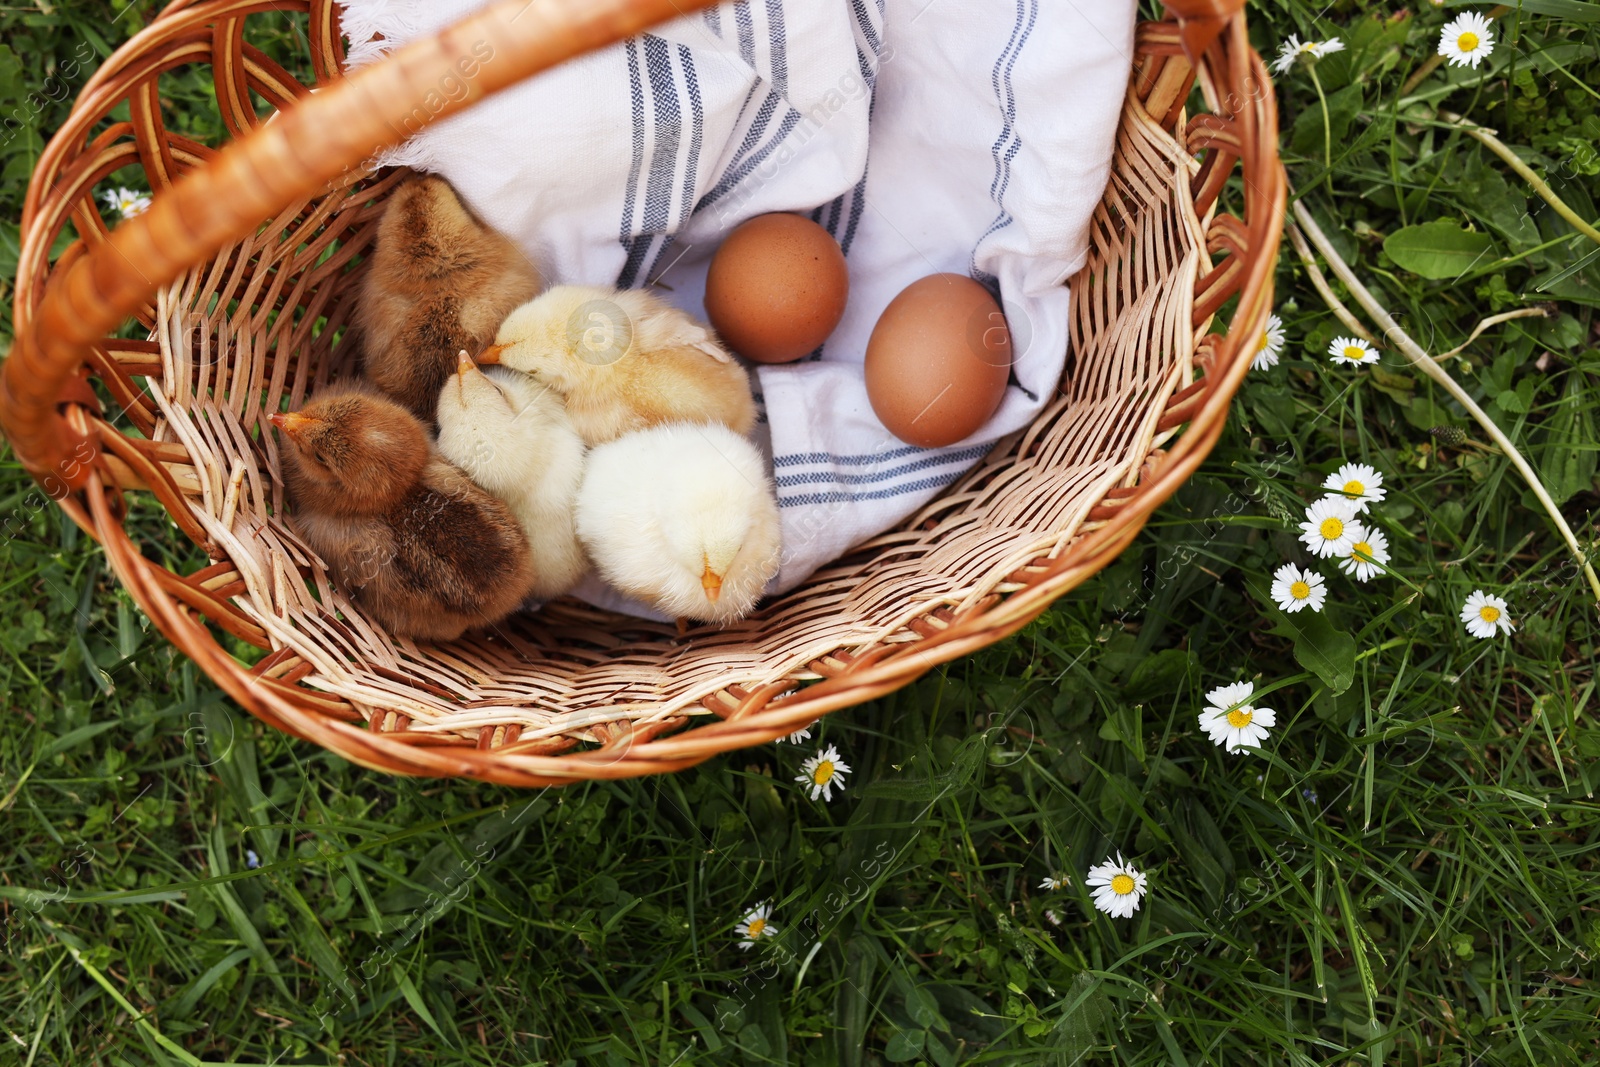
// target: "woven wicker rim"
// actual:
[[1159, 224]]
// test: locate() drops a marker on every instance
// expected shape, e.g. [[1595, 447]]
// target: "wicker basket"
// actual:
[[240, 314]]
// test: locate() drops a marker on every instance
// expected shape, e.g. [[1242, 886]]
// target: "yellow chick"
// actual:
[[624, 360], [682, 517], [512, 436], [439, 281], [406, 536]]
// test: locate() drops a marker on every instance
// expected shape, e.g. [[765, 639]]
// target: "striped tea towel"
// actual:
[[972, 136]]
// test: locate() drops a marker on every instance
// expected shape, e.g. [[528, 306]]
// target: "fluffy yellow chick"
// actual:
[[682, 517], [624, 360], [512, 436], [439, 281]]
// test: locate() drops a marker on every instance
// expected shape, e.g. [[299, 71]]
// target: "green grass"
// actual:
[[1406, 873]]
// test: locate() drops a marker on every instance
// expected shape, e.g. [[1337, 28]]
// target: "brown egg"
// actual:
[[938, 360], [777, 288]]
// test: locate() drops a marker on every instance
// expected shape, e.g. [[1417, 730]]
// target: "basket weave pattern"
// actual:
[[574, 692]]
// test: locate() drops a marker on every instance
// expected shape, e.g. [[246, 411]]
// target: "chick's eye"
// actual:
[[318, 456]]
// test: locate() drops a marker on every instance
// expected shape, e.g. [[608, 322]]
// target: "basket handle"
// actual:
[[309, 146], [1200, 23]]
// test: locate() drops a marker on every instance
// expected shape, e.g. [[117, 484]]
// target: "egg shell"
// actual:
[[777, 288], [938, 361]]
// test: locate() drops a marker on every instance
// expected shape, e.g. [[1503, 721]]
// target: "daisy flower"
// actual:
[[802, 734], [1466, 40], [1326, 530], [1052, 916], [757, 924], [1270, 346], [127, 202], [1485, 614], [1118, 888], [824, 773], [1053, 881], [1352, 350], [1369, 549], [1357, 483], [1294, 588], [1290, 51], [1230, 719]]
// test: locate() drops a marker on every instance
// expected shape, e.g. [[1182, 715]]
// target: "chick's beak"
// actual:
[[464, 364], [290, 422], [491, 354], [711, 582]]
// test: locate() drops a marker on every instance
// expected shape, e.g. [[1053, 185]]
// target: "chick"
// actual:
[[439, 282], [512, 436], [682, 517], [407, 537], [624, 360]]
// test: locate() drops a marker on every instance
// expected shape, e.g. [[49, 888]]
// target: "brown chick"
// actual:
[[439, 282], [406, 536]]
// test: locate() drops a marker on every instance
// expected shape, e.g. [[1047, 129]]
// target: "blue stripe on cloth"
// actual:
[[669, 134], [779, 44], [714, 20], [743, 171], [854, 459], [698, 111], [965, 455], [870, 38], [827, 216], [757, 130], [630, 243], [747, 33], [867, 26], [877, 494], [1009, 143]]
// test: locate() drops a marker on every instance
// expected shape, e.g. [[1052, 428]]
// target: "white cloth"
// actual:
[[972, 136]]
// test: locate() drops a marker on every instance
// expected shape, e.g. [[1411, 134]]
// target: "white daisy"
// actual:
[[1118, 888], [1290, 51], [802, 734], [1326, 530], [1053, 881], [1357, 483], [1352, 350], [1052, 916], [1466, 40], [757, 924], [1369, 549], [1294, 588], [1485, 615], [127, 202], [1231, 720], [824, 773], [1270, 347]]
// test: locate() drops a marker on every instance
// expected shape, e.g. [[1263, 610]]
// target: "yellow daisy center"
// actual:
[[1354, 488], [824, 772], [1354, 352], [1266, 342], [1122, 884], [1309, 46], [755, 928], [1300, 590], [1361, 548], [1489, 613], [1239, 718], [1467, 41], [1332, 528]]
